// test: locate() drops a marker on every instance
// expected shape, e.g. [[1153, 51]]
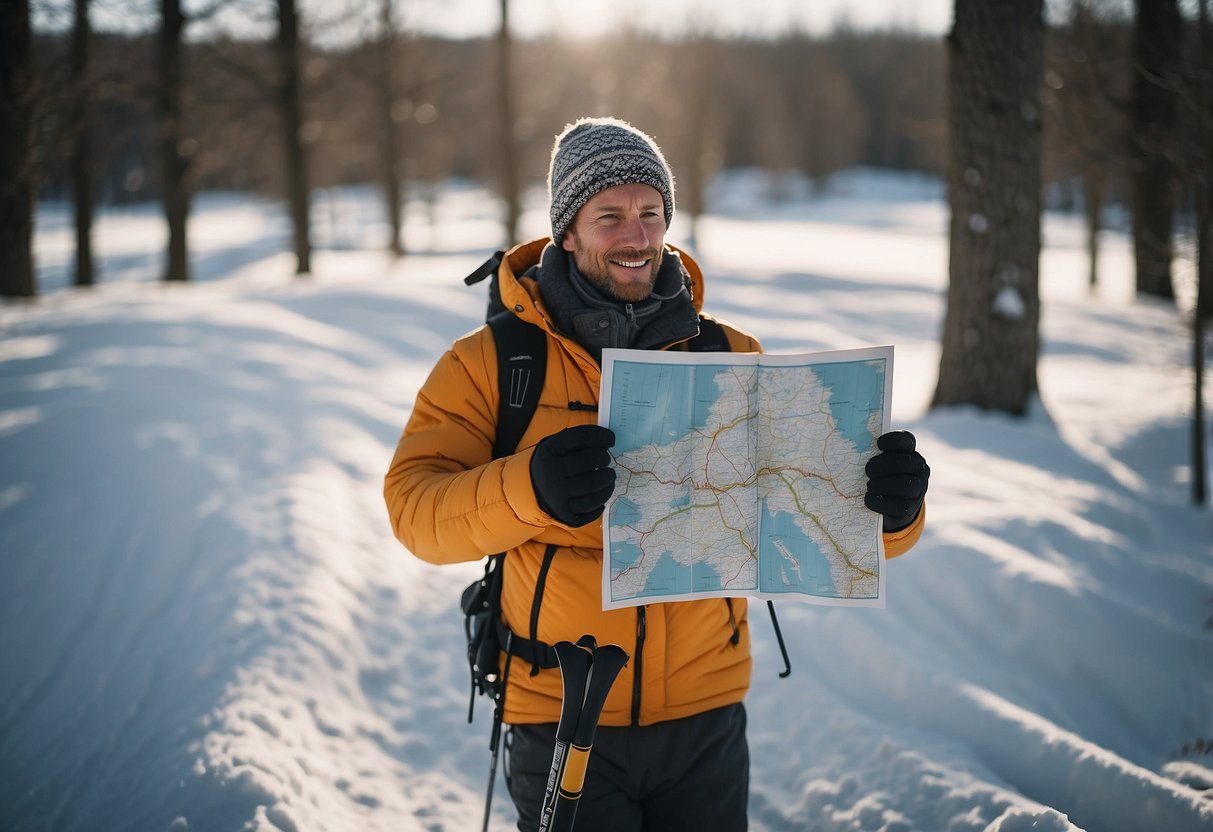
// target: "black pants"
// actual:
[[688, 774]]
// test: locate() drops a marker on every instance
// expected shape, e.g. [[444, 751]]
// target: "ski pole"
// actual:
[[587, 672], [495, 734], [574, 663]]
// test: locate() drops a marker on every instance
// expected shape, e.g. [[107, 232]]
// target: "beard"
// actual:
[[606, 273]]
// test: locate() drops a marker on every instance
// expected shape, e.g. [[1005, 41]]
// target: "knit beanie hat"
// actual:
[[594, 154]]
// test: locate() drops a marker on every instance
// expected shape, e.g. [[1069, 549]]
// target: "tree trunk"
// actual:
[[1204, 254], [1093, 191], [173, 163], [1156, 38], [390, 140], [16, 164], [1200, 476], [990, 336], [697, 142], [82, 157], [295, 158], [505, 129]]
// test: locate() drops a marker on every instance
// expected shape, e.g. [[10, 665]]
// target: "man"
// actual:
[[670, 753]]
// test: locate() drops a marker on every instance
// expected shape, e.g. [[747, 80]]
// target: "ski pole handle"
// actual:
[[574, 664], [571, 756]]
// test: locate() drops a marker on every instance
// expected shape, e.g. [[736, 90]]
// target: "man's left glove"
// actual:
[[897, 480]]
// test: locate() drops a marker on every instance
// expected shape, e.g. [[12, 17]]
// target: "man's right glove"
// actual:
[[897, 480], [571, 473]]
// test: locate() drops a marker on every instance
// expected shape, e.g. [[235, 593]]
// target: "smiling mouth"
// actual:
[[631, 264]]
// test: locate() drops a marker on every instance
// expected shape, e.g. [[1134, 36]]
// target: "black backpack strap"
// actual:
[[536, 653], [521, 368], [540, 583], [486, 269], [521, 365], [489, 269]]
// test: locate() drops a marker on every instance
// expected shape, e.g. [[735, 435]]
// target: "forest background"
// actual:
[[279, 99]]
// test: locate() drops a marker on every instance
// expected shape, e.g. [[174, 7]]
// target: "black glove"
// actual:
[[897, 480], [571, 473]]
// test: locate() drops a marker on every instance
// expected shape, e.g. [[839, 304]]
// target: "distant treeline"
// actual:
[[815, 104]]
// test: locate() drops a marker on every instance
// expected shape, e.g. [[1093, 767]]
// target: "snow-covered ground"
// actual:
[[206, 624]]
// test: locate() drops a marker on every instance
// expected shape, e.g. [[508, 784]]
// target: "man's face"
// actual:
[[617, 240]]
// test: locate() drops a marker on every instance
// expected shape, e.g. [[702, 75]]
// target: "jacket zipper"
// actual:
[[638, 666]]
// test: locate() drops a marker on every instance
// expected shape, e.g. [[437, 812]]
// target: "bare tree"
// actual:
[[694, 142], [506, 120], [82, 149], [290, 103], [391, 152], [229, 88], [16, 174], [1156, 37], [990, 337], [829, 124], [1086, 102], [1201, 76], [171, 138], [897, 79]]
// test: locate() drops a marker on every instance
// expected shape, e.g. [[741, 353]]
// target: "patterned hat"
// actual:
[[594, 154]]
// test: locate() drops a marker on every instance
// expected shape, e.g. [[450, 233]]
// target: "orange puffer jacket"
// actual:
[[450, 502]]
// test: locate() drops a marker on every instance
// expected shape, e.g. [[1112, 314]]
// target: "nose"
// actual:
[[634, 233]]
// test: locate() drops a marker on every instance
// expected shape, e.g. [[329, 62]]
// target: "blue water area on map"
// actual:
[[624, 512], [667, 576], [665, 401], [681, 498], [856, 389], [706, 392], [775, 574], [623, 555], [704, 577], [671, 576]]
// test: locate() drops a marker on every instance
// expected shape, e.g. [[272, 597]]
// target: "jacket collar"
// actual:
[[521, 294], [597, 322]]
